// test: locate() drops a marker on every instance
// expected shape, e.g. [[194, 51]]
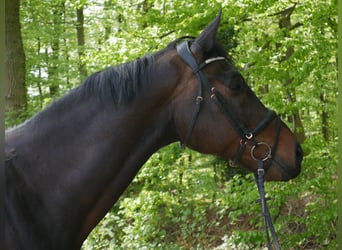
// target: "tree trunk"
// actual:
[[108, 4], [15, 89], [81, 42], [325, 118], [53, 56], [286, 24]]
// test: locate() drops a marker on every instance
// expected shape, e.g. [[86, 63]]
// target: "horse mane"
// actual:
[[120, 84]]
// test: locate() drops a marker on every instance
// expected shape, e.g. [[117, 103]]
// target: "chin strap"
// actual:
[[259, 178]]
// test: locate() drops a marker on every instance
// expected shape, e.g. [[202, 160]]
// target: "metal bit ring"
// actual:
[[268, 154]]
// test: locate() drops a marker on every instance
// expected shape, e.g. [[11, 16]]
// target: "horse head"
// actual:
[[216, 112]]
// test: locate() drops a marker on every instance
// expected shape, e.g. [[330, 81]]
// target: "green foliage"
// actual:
[[181, 199], [184, 204]]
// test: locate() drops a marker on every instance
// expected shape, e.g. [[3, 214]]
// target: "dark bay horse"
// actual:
[[67, 166]]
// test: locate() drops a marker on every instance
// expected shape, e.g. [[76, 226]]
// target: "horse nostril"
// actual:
[[299, 154]]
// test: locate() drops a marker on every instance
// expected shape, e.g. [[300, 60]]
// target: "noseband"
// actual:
[[246, 135]]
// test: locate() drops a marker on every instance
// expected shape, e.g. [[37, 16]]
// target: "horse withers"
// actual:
[[66, 166]]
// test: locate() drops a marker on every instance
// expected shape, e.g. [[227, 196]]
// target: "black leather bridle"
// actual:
[[245, 134]]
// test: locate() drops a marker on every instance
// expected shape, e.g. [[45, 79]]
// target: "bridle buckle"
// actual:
[[249, 136], [199, 99], [261, 171]]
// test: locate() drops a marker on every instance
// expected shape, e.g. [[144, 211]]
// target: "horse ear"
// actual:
[[206, 40]]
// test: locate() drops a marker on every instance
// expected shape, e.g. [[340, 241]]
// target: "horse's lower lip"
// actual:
[[291, 173], [296, 172], [286, 172], [286, 178]]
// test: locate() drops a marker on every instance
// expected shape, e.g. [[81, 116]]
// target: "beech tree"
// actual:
[[15, 84]]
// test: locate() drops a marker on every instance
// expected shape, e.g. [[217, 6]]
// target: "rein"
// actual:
[[259, 179], [246, 135]]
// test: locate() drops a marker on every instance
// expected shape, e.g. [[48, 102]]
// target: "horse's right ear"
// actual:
[[206, 40]]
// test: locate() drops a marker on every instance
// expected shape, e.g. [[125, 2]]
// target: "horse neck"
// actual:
[[142, 128], [87, 156]]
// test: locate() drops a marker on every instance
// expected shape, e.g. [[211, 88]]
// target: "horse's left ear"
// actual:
[[206, 40]]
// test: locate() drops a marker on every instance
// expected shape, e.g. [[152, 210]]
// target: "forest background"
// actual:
[[287, 50]]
